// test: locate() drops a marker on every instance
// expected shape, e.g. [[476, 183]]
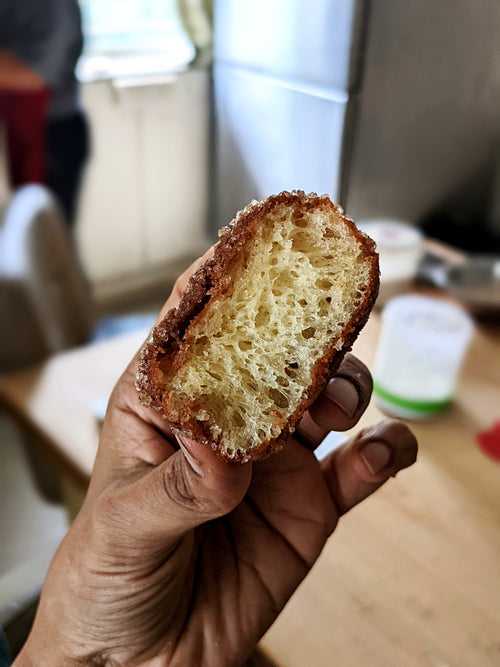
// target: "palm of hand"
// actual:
[[250, 562]]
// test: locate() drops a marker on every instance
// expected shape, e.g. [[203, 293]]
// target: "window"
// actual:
[[150, 31]]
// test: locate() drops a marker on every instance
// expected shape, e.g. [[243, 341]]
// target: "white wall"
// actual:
[[145, 199]]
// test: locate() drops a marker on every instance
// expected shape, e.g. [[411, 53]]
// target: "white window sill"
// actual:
[[139, 68]]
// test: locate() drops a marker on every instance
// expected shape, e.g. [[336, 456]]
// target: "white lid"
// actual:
[[428, 317], [391, 234]]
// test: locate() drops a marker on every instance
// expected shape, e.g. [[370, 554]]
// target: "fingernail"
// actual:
[[344, 394], [185, 444], [376, 455]]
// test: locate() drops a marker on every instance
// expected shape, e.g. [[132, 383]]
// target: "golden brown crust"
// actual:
[[163, 352]]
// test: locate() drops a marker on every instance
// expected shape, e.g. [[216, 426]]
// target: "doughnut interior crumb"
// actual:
[[246, 363]]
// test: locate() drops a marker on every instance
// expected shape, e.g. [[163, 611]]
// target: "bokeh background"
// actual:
[[132, 130]]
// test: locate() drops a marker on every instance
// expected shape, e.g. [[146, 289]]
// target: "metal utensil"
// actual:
[[474, 281]]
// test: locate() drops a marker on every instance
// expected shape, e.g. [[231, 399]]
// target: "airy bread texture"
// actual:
[[289, 287]]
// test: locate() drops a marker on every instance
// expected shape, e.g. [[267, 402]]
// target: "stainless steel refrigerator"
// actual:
[[390, 106]]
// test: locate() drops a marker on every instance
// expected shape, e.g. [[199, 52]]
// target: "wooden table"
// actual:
[[412, 576], [56, 400]]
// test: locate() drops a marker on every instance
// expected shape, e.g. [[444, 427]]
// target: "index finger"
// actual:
[[340, 406]]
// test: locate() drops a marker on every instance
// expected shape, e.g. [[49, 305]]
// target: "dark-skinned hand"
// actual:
[[178, 558]]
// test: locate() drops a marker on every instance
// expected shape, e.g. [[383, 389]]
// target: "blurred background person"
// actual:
[[47, 130]]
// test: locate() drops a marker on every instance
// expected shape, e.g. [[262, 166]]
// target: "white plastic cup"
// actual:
[[400, 247], [421, 348]]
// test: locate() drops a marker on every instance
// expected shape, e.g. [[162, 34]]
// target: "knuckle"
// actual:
[[178, 487], [208, 496]]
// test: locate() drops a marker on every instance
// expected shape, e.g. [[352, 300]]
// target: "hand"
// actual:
[[178, 558]]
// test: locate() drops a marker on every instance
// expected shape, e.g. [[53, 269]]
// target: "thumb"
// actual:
[[191, 487]]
